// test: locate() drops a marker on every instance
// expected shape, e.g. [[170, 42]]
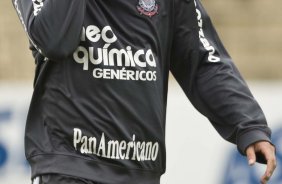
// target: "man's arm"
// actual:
[[53, 26], [213, 84]]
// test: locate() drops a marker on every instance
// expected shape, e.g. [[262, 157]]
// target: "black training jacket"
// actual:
[[100, 91]]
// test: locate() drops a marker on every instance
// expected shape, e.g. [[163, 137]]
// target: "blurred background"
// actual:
[[251, 30]]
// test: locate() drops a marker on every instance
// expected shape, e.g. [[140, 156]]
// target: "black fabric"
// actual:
[[61, 179], [101, 82], [91, 170]]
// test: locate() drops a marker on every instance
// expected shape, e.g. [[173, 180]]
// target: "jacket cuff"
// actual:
[[252, 137]]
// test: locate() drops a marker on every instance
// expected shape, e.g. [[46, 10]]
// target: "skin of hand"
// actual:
[[268, 151]]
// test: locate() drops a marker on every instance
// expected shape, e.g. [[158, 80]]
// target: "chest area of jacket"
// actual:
[[116, 36], [135, 22]]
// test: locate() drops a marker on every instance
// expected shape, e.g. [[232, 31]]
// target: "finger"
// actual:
[[263, 181], [271, 165], [251, 155]]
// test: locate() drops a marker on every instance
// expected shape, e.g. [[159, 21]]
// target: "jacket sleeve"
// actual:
[[53, 26], [210, 80]]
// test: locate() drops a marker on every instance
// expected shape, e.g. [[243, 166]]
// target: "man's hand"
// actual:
[[268, 151]]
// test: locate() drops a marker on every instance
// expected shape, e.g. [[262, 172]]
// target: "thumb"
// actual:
[[251, 155]]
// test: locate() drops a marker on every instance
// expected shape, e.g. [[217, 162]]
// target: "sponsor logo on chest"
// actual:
[[111, 60]]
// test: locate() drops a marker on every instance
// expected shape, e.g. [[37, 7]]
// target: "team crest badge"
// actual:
[[148, 7]]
